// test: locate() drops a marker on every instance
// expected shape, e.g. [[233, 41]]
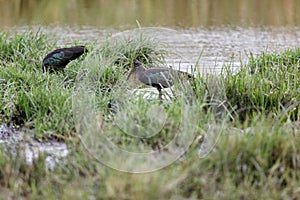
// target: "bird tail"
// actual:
[[188, 75]]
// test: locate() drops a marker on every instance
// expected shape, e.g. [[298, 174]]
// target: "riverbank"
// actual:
[[251, 117]]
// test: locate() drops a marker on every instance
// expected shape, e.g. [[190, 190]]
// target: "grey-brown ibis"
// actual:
[[157, 77]]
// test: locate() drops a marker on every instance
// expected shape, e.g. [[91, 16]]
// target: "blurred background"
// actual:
[[122, 14]]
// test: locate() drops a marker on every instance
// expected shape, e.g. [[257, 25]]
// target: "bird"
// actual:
[[157, 77], [58, 59]]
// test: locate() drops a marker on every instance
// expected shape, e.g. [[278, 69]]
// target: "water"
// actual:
[[215, 46], [17, 142], [222, 32], [218, 30], [122, 14]]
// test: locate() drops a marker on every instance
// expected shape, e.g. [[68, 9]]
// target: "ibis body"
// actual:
[[59, 58], [157, 77]]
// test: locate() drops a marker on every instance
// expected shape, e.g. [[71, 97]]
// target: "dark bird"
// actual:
[[157, 77], [59, 58]]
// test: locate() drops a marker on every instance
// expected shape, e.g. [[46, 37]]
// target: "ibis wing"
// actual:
[[54, 58], [61, 57], [158, 76]]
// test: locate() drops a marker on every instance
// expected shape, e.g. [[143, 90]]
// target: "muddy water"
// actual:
[[214, 46], [168, 13], [16, 142], [218, 30]]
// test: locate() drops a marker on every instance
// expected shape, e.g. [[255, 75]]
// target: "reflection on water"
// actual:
[[170, 13], [219, 30]]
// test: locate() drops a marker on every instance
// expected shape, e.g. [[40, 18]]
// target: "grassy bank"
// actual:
[[251, 114]]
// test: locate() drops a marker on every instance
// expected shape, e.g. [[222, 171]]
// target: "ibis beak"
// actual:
[[130, 73]]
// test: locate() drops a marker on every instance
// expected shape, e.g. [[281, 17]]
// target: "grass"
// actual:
[[268, 84], [251, 115]]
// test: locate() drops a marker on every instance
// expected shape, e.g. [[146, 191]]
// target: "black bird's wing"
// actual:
[[59, 58], [55, 58]]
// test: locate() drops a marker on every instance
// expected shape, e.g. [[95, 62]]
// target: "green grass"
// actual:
[[30, 97], [254, 112], [263, 163], [267, 84]]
